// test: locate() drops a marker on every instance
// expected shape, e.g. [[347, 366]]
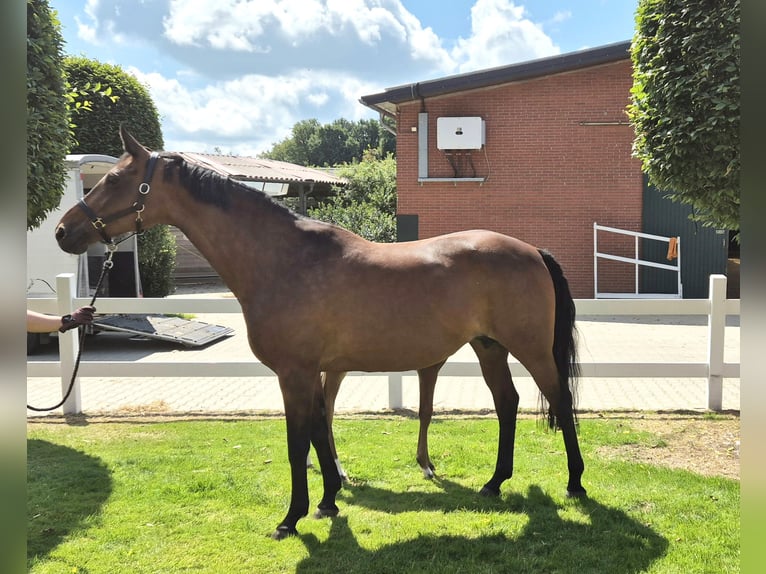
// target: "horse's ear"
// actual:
[[130, 144]]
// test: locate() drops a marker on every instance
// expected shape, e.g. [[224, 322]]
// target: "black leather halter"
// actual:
[[138, 206]]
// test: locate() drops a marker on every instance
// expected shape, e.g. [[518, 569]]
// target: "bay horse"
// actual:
[[317, 298]]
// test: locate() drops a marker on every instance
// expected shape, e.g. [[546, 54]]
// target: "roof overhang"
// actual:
[[386, 102], [250, 171]]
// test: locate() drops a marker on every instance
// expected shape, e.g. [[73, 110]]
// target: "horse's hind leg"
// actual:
[[559, 397], [321, 438], [331, 384], [493, 358], [427, 378]]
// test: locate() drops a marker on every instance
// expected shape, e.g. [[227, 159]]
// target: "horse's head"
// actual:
[[119, 203]]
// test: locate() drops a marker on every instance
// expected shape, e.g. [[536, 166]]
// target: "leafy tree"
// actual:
[[53, 104], [367, 205], [98, 132], [685, 103], [341, 141], [48, 136]]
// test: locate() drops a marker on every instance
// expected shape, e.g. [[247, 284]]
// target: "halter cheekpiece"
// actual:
[[99, 223]]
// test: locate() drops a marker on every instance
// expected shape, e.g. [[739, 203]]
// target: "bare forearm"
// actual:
[[40, 323]]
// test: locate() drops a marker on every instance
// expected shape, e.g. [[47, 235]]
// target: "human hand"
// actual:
[[82, 316]]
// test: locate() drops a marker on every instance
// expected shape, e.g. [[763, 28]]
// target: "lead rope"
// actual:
[[108, 264]]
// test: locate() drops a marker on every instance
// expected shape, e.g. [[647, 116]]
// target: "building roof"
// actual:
[[387, 101], [268, 170]]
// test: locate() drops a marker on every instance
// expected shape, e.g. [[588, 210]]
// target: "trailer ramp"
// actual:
[[163, 327]]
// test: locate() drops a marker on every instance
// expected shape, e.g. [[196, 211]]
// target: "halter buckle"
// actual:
[[98, 223]]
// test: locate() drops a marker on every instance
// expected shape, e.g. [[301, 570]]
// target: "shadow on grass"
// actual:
[[607, 541], [64, 488]]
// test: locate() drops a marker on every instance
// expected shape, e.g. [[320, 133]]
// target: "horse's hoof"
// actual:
[[487, 491], [329, 512], [578, 493], [283, 532], [428, 473]]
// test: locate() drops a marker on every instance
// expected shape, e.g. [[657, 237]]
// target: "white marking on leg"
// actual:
[[341, 472]]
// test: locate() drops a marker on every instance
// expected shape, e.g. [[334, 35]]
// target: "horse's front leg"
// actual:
[[306, 423], [427, 379]]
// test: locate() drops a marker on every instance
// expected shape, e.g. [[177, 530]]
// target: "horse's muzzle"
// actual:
[[67, 242]]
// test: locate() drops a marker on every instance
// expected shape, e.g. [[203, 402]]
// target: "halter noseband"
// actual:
[[138, 206]]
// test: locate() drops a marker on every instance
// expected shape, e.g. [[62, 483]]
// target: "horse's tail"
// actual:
[[564, 339]]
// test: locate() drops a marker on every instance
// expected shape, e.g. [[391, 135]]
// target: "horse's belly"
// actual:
[[393, 355]]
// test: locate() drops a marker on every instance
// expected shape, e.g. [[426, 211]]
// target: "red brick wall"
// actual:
[[549, 178]]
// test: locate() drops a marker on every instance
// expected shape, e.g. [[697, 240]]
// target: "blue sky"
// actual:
[[236, 75]]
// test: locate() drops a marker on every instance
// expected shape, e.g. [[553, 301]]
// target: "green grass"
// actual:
[[204, 496]]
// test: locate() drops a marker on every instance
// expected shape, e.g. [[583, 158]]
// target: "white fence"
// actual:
[[716, 308]]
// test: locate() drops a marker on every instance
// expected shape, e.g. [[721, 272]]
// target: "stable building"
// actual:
[[541, 150]]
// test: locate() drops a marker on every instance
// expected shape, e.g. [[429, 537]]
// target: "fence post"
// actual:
[[395, 400], [69, 344], [716, 330]]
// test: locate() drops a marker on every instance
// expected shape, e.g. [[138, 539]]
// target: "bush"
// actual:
[[367, 205], [361, 218], [99, 130], [156, 261]]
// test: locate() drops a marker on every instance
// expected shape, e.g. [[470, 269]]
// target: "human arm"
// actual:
[[42, 323]]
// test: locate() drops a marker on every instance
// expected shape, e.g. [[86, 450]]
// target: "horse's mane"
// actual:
[[208, 186]]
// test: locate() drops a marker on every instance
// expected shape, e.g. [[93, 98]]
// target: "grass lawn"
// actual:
[[205, 495]]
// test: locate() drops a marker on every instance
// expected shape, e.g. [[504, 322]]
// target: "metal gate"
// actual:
[[673, 244]]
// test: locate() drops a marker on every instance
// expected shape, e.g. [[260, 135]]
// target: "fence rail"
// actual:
[[716, 308]]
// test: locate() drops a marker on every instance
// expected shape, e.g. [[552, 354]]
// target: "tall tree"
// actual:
[[48, 136], [685, 103]]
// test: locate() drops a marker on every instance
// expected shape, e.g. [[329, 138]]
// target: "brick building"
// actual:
[[538, 150]]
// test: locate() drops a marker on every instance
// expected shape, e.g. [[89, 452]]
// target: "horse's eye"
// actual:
[[112, 178]]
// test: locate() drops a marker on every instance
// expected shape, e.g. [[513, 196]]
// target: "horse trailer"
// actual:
[[45, 260]]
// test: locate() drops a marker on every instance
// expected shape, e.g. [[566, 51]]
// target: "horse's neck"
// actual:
[[245, 243]]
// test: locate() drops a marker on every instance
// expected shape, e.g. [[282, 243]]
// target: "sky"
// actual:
[[234, 76]]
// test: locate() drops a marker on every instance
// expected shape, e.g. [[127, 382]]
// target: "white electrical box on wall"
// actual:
[[459, 132]]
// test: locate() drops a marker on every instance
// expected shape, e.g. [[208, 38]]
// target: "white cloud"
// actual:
[[561, 16], [90, 33], [248, 115], [238, 74], [246, 25], [501, 35], [222, 25]]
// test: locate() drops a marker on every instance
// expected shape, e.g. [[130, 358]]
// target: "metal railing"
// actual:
[[637, 262], [716, 307]]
